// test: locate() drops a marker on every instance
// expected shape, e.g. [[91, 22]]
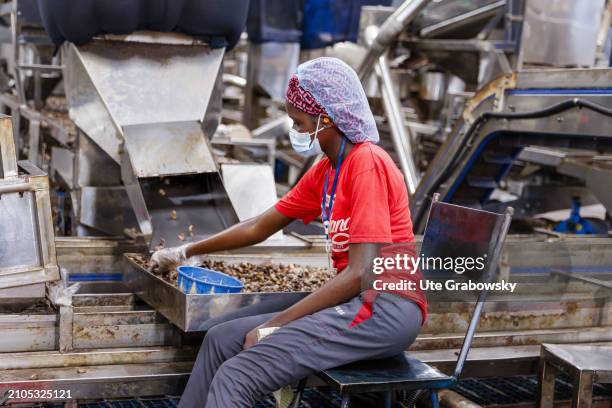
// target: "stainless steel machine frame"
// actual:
[[566, 32], [140, 100], [378, 40], [572, 117], [22, 180]]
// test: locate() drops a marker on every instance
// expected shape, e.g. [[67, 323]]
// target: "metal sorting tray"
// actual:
[[193, 312]]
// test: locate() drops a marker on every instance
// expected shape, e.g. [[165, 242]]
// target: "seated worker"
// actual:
[[361, 196]]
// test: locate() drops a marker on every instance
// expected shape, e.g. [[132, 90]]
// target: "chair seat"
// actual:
[[400, 372]]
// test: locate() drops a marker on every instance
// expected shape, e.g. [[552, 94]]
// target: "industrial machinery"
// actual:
[[500, 134], [444, 72], [140, 118], [115, 346], [130, 148], [127, 333], [27, 246], [138, 155]]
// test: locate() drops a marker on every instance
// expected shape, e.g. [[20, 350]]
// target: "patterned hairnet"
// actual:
[[302, 99], [337, 88]]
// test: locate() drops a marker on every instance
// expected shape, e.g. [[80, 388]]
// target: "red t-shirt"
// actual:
[[370, 205]]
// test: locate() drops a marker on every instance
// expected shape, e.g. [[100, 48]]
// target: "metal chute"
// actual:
[[141, 99]]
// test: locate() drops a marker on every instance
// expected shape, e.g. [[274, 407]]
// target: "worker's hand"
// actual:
[[251, 339], [168, 258], [258, 333]]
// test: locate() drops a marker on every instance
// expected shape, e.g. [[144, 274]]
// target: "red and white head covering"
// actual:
[[329, 86], [302, 99]]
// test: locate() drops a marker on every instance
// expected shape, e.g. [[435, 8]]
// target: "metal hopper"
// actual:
[[141, 99]]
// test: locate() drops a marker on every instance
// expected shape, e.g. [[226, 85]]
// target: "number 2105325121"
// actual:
[[24, 394]]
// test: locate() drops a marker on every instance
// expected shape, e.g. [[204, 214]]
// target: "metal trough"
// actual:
[[194, 312]]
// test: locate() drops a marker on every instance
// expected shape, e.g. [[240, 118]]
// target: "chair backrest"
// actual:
[[454, 231]]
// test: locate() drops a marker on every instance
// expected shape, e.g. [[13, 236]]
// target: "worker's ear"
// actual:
[[326, 120]]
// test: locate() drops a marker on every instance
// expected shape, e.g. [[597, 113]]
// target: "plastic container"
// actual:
[[196, 280], [275, 21], [218, 22], [327, 22]]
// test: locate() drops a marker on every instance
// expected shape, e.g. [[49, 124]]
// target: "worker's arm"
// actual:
[[246, 233], [341, 288], [249, 232]]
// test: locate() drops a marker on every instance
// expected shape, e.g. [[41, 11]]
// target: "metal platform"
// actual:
[[519, 391], [114, 334], [515, 391]]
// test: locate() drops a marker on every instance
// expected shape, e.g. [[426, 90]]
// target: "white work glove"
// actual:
[[59, 292], [168, 258]]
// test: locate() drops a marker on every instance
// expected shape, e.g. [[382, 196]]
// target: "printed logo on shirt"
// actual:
[[338, 230], [340, 242]]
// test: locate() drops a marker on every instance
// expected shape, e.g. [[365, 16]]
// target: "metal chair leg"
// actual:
[[346, 401], [412, 398], [582, 390], [388, 399], [299, 393], [546, 385], [434, 399]]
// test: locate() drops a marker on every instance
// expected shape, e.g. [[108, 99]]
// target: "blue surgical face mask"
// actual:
[[301, 143]]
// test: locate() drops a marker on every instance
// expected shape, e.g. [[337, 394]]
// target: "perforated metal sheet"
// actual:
[[517, 389], [485, 392], [312, 398]]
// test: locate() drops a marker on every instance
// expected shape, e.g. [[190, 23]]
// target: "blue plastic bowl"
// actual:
[[193, 279]]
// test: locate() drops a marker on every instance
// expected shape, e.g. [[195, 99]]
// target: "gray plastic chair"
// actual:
[[451, 230]]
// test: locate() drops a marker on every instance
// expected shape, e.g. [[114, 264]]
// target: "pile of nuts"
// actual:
[[264, 277], [269, 277]]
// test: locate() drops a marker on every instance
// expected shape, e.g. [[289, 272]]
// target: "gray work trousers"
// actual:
[[226, 376]]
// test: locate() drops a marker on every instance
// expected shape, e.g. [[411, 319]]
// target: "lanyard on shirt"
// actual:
[[326, 212]]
